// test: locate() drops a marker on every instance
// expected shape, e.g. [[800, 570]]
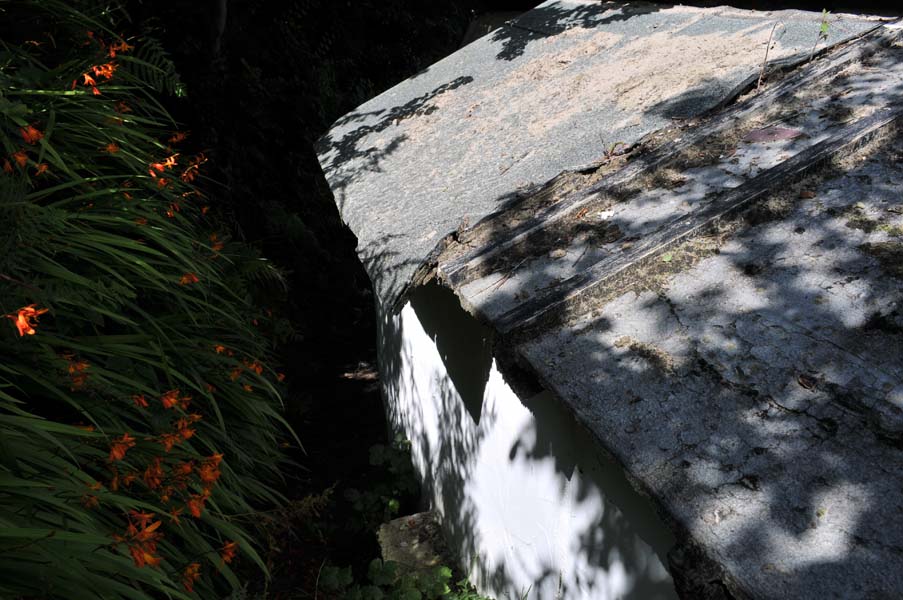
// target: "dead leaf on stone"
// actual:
[[807, 194], [771, 134], [807, 381]]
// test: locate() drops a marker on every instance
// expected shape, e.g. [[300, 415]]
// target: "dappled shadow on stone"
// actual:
[[753, 396], [531, 507], [339, 150], [556, 17], [751, 387], [752, 383]]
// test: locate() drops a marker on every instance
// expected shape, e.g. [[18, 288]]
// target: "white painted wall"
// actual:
[[528, 501]]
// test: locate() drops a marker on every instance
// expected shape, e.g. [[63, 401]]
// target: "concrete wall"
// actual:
[[529, 503]]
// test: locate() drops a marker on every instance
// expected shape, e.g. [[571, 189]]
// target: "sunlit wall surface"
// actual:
[[528, 501]]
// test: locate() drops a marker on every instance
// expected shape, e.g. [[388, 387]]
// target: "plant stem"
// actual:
[[765, 62]]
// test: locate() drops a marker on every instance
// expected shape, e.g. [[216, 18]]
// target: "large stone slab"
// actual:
[[550, 91], [738, 345], [569, 256], [758, 395]]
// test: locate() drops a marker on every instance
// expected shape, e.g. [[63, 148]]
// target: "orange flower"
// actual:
[[191, 574], [21, 158], [174, 514], [140, 401], [235, 373], [255, 366], [169, 440], [129, 478], [41, 169], [188, 278], [153, 475], [111, 148], [196, 502], [177, 137], [89, 80], [120, 46], [227, 552], [78, 366], [120, 446], [77, 373], [142, 557], [143, 519], [7, 167], [122, 107], [219, 348], [183, 468], [141, 221], [216, 244], [210, 387], [26, 319], [170, 398], [31, 134], [184, 429], [166, 494], [246, 387], [142, 542], [280, 377], [189, 175], [209, 473], [95, 91], [90, 501], [106, 71]]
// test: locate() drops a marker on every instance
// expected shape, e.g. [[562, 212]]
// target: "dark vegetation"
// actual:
[[262, 89], [170, 249]]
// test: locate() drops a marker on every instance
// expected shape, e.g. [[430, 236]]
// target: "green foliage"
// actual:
[[824, 25], [152, 66], [394, 480], [823, 29], [388, 581], [139, 419]]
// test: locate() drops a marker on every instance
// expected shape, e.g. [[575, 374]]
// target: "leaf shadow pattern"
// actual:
[[555, 17], [350, 130], [517, 497], [770, 434]]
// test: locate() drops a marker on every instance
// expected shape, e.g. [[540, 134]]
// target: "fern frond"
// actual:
[[151, 66]]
